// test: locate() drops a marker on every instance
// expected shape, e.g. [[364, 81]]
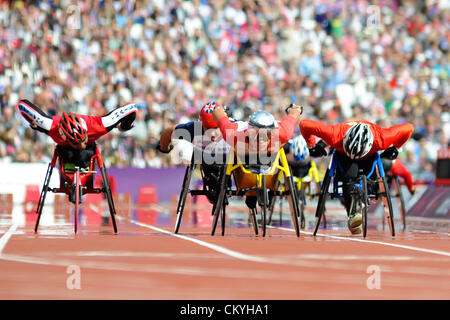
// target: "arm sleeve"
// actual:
[[287, 128], [400, 170], [124, 116], [32, 113], [186, 131], [396, 135], [230, 131], [311, 128]]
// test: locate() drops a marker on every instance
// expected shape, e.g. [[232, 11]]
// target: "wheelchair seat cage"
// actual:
[[75, 182], [365, 187]]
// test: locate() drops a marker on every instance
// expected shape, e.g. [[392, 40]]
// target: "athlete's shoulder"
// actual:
[[241, 125]]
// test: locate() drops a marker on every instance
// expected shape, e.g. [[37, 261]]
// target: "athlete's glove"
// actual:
[[158, 147], [390, 153], [291, 106], [318, 150]]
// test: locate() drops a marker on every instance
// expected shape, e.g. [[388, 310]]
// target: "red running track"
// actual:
[[147, 262]]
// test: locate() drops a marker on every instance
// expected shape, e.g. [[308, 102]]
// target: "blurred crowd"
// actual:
[[382, 61]]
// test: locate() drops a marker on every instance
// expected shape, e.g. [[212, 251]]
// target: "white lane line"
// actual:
[[442, 253], [214, 247], [308, 263], [5, 238]]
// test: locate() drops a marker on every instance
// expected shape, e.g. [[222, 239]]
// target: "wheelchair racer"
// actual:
[[263, 137], [75, 134], [396, 168], [355, 143], [297, 154], [205, 136]]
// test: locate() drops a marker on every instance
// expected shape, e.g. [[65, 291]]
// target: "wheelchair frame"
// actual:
[[185, 190], [393, 181], [360, 194], [303, 189], [80, 181], [260, 188]]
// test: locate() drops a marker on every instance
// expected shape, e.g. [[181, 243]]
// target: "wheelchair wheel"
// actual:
[[364, 205], [272, 204], [401, 200], [263, 203], [109, 197], [254, 221], [223, 217], [322, 199], [293, 203], [220, 200], [183, 195], [77, 198], [301, 197], [43, 195], [388, 202]]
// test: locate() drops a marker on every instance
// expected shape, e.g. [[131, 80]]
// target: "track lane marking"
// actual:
[[214, 247], [438, 252], [281, 261], [5, 238]]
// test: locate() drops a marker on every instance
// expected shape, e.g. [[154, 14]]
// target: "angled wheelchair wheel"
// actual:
[[43, 195], [322, 199], [220, 200], [301, 197], [272, 204], [263, 201], [364, 205], [401, 200], [77, 198], [223, 215], [109, 197], [293, 203], [317, 188], [254, 220], [388, 202], [183, 195]]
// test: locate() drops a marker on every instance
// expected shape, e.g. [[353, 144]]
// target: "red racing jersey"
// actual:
[[333, 135], [94, 128], [283, 131]]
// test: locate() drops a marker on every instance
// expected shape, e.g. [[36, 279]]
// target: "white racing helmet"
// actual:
[[299, 147], [358, 141]]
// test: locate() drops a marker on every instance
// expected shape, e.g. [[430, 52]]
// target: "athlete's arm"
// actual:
[[400, 170], [287, 125], [37, 118], [122, 118], [396, 135], [229, 130], [185, 131], [166, 139], [312, 128]]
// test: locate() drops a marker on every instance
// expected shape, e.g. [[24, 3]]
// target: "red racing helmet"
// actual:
[[206, 117], [72, 127]]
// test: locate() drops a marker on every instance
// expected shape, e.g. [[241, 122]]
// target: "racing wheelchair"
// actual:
[[365, 187], [213, 171], [396, 191], [255, 180], [75, 181]]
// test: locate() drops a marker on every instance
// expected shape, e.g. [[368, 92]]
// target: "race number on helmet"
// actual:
[[358, 141]]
